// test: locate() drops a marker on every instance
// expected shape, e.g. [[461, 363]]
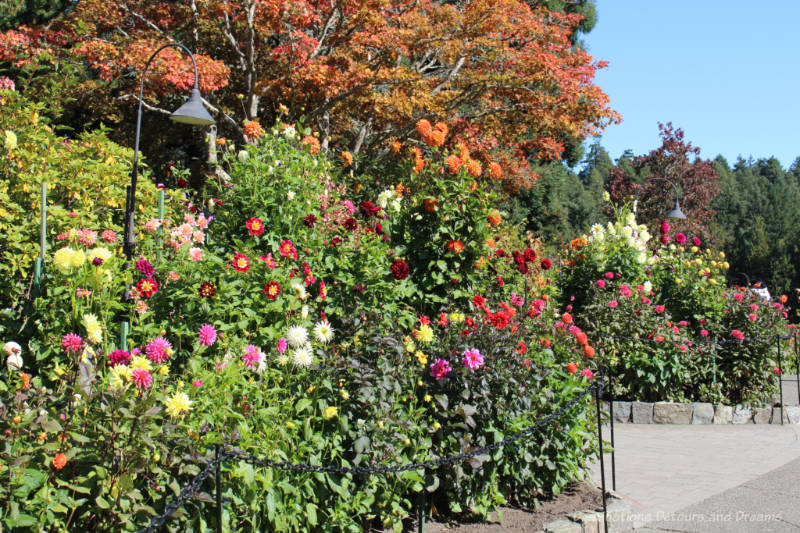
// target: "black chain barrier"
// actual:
[[186, 493], [240, 455]]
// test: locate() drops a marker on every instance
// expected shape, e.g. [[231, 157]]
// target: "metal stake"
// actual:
[[780, 376], [38, 265], [421, 503], [160, 230], [218, 490], [602, 461], [611, 421], [797, 372]]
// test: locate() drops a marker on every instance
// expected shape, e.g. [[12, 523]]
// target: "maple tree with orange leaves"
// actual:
[[502, 74]]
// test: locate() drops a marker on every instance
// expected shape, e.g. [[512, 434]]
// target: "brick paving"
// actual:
[[663, 469]]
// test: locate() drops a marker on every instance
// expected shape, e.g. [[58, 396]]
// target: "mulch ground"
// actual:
[[577, 497]]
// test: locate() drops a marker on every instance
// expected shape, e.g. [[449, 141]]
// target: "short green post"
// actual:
[[123, 337], [160, 230], [39, 263]]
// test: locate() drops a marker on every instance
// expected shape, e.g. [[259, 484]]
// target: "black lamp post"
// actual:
[[192, 112], [676, 212]]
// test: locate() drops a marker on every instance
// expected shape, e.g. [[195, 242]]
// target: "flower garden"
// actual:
[[293, 311]]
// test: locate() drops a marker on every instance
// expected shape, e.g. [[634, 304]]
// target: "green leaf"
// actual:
[[311, 514]]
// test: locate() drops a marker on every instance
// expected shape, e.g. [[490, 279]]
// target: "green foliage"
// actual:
[[314, 374], [86, 180], [663, 320]]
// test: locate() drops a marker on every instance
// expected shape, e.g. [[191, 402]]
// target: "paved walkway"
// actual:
[[664, 469]]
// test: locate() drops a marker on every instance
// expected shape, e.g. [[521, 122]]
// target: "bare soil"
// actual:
[[577, 497]]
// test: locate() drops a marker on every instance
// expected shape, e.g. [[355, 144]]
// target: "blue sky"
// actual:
[[727, 73]]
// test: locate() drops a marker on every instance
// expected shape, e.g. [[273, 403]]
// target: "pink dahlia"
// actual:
[[696, 241], [144, 266], [600, 283], [680, 238], [119, 357], [281, 345], [738, 335], [252, 356], [109, 236], [659, 309], [142, 378], [157, 350], [72, 342], [207, 335], [440, 368], [704, 332], [613, 304], [588, 374], [472, 359]]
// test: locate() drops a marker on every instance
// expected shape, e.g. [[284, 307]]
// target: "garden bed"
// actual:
[[575, 498]]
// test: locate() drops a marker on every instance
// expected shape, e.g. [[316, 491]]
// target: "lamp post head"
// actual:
[[677, 212], [193, 111]]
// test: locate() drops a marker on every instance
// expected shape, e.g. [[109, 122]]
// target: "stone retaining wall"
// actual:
[[700, 413]]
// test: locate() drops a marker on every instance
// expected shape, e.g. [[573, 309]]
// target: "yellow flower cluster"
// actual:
[[178, 404], [424, 334], [66, 258], [457, 318], [421, 357], [94, 331]]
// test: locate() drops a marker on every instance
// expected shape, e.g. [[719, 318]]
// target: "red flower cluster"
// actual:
[[207, 290], [400, 269], [240, 262], [255, 226], [369, 209], [147, 287], [500, 319], [272, 290], [521, 259]]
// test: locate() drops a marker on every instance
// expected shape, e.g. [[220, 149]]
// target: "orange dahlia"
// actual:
[[253, 129], [495, 170], [453, 162], [474, 168], [312, 143]]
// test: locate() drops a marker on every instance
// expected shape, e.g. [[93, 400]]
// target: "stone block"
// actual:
[[793, 412], [762, 415], [563, 526], [642, 412], [622, 412], [723, 414], [672, 413], [776, 416], [702, 413], [587, 520], [742, 415]]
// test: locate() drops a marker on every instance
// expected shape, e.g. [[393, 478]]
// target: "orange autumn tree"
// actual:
[[503, 75]]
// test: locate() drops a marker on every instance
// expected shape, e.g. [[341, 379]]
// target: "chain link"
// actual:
[[240, 455], [433, 463], [186, 493]]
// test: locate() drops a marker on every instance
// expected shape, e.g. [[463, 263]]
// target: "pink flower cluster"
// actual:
[[157, 350], [188, 232], [472, 359], [440, 368], [207, 335]]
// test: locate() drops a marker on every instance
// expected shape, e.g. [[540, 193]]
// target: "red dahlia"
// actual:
[[207, 290], [272, 290], [400, 269], [147, 287]]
